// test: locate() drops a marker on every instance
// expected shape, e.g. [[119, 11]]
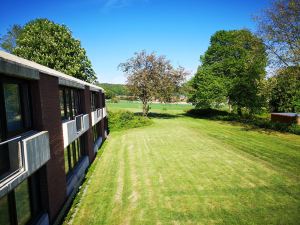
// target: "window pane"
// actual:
[[61, 102], [4, 213], [74, 152], [23, 203], [66, 157], [4, 161], [67, 95], [12, 107], [71, 156]]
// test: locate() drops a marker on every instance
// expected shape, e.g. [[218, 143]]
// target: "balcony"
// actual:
[[22, 156], [104, 112], [72, 129], [96, 116]]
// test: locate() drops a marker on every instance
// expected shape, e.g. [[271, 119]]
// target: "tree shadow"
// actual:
[[247, 123]]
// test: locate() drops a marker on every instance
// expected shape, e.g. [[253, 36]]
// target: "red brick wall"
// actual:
[[88, 135], [46, 116]]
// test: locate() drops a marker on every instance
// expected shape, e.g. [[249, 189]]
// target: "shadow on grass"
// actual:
[[249, 123], [160, 115]]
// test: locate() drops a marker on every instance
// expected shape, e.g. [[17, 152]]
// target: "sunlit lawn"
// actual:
[[154, 107], [183, 170]]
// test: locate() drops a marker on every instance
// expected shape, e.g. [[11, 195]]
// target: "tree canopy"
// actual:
[[152, 77], [231, 69], [285, 95], [279, 27], [9, 41], [51, 45]]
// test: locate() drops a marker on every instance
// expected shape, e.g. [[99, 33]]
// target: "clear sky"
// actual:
[[112, 30]]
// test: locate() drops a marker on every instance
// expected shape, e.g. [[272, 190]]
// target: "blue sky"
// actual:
[[112, 30]]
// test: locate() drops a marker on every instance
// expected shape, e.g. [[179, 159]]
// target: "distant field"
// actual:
[[154, 107], [187, 171]]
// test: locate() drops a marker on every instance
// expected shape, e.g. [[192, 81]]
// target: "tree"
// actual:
[[206, 90], [285, 95], [279, 27], [235, 63], [8, 41], [52, 45], [150, 76]]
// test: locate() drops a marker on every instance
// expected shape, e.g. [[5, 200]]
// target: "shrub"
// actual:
[[254, 121], [115, 99], [122, 120]]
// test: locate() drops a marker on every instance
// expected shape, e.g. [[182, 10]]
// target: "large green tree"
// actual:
[[152, 77], [52, 45], [234, 63]]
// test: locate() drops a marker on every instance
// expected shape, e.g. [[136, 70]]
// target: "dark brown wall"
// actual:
[[46, 116], [283, 118], [88, 135]]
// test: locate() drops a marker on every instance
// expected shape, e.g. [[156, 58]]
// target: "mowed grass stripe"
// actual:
[[191, 171]]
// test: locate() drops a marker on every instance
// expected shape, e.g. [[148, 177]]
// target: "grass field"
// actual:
[[182, 170], [154, 107]]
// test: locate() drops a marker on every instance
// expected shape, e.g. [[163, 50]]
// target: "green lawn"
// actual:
[[154, 107], [182, 170]]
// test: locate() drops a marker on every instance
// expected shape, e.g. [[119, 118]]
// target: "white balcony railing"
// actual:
[[104, 112], [22, 156], [96, 116], [72, 129]]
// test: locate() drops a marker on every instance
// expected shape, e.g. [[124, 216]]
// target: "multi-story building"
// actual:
[[51, 127]]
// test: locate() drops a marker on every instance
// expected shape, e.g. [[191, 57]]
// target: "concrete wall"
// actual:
[[96, 116], [70, 133]]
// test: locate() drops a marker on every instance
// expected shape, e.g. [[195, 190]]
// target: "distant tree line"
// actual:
[[114, 90]]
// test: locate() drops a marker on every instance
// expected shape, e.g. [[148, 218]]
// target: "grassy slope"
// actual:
[[190, 171]]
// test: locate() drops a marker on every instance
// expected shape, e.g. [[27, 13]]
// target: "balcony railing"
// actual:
[[104, 112], [22, 156], [11, 157], [72, 129], [79, 123], [98, 113], [96, 116]]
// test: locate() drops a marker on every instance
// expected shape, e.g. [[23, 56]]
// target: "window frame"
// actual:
[[75, 153], [25, 107], [72, 106], [34, 194]]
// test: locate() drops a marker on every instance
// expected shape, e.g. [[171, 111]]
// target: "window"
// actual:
[[15, 118], [96, 131], [102, 100], [70, 102], [4, 211], [21, 206], [73, 154], [94, 101], [12, 107], [22, 200]]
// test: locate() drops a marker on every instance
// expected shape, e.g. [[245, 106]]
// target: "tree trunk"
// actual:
[[145, 108], [239, 111]]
